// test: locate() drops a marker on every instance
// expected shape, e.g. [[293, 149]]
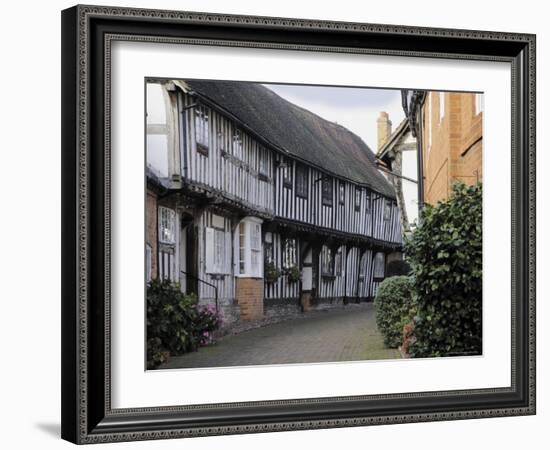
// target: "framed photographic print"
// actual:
[[280, 224]]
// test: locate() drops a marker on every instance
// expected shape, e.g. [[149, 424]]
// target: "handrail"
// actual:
[[205, 282]]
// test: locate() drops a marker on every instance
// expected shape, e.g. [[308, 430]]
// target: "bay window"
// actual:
[[167, 225], [218, 251], [248, 245]]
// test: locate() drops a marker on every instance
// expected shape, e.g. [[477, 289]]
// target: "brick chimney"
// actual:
[[384, 128]]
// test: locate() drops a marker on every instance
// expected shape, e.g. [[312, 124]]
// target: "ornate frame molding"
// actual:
[[84, 421]]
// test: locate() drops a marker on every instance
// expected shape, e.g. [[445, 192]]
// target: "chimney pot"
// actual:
[[384, 128]]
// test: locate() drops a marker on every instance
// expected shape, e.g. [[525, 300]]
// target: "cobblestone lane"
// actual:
[[347, 334]]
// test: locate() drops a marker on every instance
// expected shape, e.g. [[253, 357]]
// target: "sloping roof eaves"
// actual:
[[295, 130], [394, 137]]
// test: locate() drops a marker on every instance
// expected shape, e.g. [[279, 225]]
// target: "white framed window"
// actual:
[[341, 193], [202, 129], [255, 248], [357, 198], [363, 266], [301, 180], [338, 262], [387, 210], [286, 167], [217, 251], [248, 248], [263, 154], [379, 265], [148, 263], [268, 248], [289, 253], [326, 190], [441, 106], [478, 103], [167, 225], [327, 261], [237, 144]]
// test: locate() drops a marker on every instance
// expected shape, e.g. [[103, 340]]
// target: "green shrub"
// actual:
[[394, 308], [445, 253], [175, 322], [398, 267]]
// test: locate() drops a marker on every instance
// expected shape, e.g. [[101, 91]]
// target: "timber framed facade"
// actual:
[[259, 206]]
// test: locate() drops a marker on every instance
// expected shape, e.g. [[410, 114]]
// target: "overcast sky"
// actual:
[[355, 108]]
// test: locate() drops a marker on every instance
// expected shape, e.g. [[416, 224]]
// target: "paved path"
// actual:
[[347, 334]]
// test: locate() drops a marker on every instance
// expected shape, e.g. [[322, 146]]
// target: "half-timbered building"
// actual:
[[262, 207]]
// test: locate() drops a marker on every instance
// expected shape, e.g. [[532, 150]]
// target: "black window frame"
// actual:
[[357, 199], [342, 193], [302, 181], [202, 112], [327, 191], [286, 167]]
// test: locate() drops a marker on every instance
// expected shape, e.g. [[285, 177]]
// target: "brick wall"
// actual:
[[456, 150], [151, 228], [249, 293]]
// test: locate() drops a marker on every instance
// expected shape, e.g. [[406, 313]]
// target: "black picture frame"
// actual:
[[87, 416]]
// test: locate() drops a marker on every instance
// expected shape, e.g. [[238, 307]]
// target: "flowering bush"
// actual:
[[175, 322]]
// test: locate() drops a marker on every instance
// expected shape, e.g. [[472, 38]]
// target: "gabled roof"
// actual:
[[399, 132], [295, 130]]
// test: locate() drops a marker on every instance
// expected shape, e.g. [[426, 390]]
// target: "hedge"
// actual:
[[394, 308], [445, 254]]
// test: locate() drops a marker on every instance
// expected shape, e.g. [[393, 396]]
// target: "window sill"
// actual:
[[202, 149], [216, 275], [264, 177], [246, 275]]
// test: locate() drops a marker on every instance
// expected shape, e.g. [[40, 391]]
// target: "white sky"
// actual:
[[354, 108]]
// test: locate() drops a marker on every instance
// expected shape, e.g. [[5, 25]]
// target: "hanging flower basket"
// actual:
[[294, 274], [271, 273]]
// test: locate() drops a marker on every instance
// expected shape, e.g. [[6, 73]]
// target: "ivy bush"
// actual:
[[394, 308], [175, 322], [445, 253]]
